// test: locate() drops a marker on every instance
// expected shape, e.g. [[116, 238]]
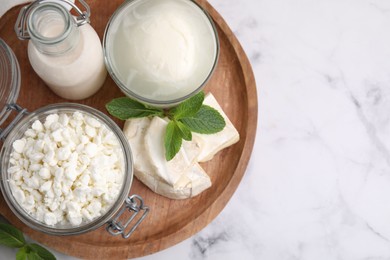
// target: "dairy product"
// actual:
[[77, 74], [161, 50], [67, 170], [213, 143], [182, 177]]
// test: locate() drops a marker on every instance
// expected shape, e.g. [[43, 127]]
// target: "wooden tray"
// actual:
[[169, 221]]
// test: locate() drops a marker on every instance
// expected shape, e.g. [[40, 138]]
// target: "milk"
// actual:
[[64, 50], [162, 50], [78, 74]]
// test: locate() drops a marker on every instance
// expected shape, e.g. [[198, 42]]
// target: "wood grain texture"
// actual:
[[170, 221]]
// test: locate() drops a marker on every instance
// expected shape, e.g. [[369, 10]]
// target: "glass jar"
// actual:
[[9, 69], [64, 51], [9, 80], [161, 52]]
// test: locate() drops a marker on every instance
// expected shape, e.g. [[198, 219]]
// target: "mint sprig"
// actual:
[[12, 237], [125, 108], [206, 121], [189, 116], [172, 140], [188, 108]]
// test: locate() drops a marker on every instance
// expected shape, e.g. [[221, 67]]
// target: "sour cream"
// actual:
[[161, 50]]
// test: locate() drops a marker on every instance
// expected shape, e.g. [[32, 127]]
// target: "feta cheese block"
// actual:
[[170, 171], [213, 143], [182, 177]]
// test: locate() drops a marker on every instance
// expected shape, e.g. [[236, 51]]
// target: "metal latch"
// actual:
[[135, 205], [21, 113], [21, 22]]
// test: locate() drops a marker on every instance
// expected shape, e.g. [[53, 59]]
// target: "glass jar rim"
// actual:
[[49, 6], [159, 103], [86, 227], [10, 81]]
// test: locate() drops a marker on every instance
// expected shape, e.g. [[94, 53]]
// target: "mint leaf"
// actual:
[[11, 236], [185, 132], [189, 116], [125, 108], [22, 253], [172, 140], [207, 121], [42, 252], [34, 256], [188, 107]]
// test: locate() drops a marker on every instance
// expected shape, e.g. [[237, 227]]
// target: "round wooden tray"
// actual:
[[169, 221]]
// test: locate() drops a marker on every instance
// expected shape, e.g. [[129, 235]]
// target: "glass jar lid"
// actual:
[[9, 80]]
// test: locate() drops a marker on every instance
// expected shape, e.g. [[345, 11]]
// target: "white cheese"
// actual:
[[19, 145], [66, 170], [182, 177], [194, 182], [166, 178], [170, 171], [212, 144]]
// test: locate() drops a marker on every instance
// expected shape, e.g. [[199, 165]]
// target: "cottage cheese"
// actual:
[[67, 170]]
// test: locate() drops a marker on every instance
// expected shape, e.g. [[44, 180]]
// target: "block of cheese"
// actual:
[[212, 144], [170, 171], [182, 177]]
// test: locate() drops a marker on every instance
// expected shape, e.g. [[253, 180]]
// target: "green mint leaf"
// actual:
[[188, 107], [22, 253], [207, 121], [42, 252], [185, 132], [172, 140], [34, 256], [125, 108], [11, 236]]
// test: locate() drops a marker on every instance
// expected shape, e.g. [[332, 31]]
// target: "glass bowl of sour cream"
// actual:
[[160, 52]]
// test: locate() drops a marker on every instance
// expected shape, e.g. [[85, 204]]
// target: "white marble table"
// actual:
[[318, 184]]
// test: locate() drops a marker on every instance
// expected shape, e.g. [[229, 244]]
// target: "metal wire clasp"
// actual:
[[134, 204], [21, 112], [21, 22]]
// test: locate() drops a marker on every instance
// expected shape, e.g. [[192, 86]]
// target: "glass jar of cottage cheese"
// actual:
[[66, 168]]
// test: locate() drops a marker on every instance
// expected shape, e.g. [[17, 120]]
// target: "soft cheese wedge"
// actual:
[[180, 178], [134, 131], [170, 171], [212, 144]]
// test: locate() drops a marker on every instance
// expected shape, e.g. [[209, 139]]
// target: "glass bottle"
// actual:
[[65, 51]]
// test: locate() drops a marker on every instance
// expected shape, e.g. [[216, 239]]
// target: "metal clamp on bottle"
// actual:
[[22, 20], [21, 112], [135, 205]]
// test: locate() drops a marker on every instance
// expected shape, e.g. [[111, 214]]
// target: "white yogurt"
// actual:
[[161, 50]]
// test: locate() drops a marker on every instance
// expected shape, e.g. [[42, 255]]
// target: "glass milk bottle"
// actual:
[[65, 51]]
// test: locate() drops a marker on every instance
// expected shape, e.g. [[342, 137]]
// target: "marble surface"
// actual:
[[318, 184]]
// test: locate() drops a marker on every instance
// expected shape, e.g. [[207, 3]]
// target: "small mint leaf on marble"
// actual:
[[11, 236]]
